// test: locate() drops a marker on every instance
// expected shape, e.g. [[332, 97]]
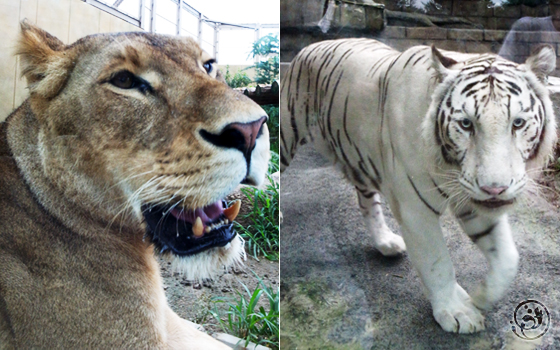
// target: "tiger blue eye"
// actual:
[[466, 123], [518, 123]]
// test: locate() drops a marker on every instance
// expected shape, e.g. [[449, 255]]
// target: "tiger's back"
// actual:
[[345, 97]]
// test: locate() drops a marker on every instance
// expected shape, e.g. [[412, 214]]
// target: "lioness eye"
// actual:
[[208, 65], [518, 123], [123, 80], [466, 124], [126, 80]]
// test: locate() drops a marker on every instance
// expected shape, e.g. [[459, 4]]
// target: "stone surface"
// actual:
[[465, 34], [236, 343], [393, 32], [338, 292], [426, 33], [495, 35]]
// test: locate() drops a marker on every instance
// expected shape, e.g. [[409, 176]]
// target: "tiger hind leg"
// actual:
[[384, 240]]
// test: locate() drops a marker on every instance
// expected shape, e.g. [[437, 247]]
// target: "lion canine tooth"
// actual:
[[231, 212], [198, 228]]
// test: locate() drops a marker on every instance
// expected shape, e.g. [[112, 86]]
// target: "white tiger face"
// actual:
[[493, 121]]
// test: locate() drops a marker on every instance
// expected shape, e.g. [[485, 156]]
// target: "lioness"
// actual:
[[125, 147]]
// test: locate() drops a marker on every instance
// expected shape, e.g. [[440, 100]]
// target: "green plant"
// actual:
[[267, 70], [239, 79], [273, 125], [274, 165], [262, 233], [248, 321]]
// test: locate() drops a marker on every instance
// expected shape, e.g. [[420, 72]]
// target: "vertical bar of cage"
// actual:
[[200, 28], [256, 58], [179, 6], [153, 17], [216, 42], [141, 15]]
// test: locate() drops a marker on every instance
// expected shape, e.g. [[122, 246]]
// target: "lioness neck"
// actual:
[[62, 188]]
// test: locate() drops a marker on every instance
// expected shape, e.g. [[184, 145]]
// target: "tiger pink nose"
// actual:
[[493, 190]]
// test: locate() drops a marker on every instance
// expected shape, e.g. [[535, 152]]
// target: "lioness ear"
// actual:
[[220, 76], [542, 62], [45, 65], [441, 63]]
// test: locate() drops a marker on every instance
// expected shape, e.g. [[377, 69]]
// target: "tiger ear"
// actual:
[[45, 65], [441, 63], [542, 62]]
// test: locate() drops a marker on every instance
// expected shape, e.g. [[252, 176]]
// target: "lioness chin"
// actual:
[[126, 146]]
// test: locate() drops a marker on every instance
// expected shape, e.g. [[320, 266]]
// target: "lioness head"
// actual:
[[491, 126], [135, 129]]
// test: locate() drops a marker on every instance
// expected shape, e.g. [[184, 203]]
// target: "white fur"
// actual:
[[207, 264]]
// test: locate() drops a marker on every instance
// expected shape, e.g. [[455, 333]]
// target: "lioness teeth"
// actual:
[[233, 210], [198, 227]]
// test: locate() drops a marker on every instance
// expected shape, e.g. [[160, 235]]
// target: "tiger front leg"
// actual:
[[493, 237], [452, 307], [384, 240]]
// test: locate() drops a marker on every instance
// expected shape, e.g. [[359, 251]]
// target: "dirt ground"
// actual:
[[193, 300], [338, 292]]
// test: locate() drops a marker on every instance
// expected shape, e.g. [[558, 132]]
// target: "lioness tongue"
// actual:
[[201, 217]]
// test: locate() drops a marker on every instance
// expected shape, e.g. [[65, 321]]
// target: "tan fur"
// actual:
[[78, 158]]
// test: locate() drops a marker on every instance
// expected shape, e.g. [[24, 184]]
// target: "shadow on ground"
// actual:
[[338, 292]]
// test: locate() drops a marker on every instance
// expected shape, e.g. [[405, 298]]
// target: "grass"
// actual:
[[273, 126], [262, 231], [250, 322]]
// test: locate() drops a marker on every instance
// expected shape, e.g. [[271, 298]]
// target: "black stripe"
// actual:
[[421, 198], [419, 58], [443, 194], [466, 216], [407, 61], [331, 104], [486, 232], [344, 120], [375, 170], [468, 87], [284, 160], [294, 127]]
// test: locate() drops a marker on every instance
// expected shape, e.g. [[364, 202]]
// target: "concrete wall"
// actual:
[[462, 40], [68, 20]]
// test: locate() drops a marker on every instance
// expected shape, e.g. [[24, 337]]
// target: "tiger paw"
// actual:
[[483, 298], [458, 314], [389, 244]]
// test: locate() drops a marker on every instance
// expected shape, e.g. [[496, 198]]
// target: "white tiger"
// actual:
[[429, 130]]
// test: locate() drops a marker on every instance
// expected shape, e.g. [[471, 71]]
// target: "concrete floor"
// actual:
[[338, 292]]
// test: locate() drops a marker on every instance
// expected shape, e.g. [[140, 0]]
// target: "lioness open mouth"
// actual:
[[494, 203], [187, 232]]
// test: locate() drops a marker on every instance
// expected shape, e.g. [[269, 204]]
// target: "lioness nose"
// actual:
[[241, 136], [248, 131], [494, 190]]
